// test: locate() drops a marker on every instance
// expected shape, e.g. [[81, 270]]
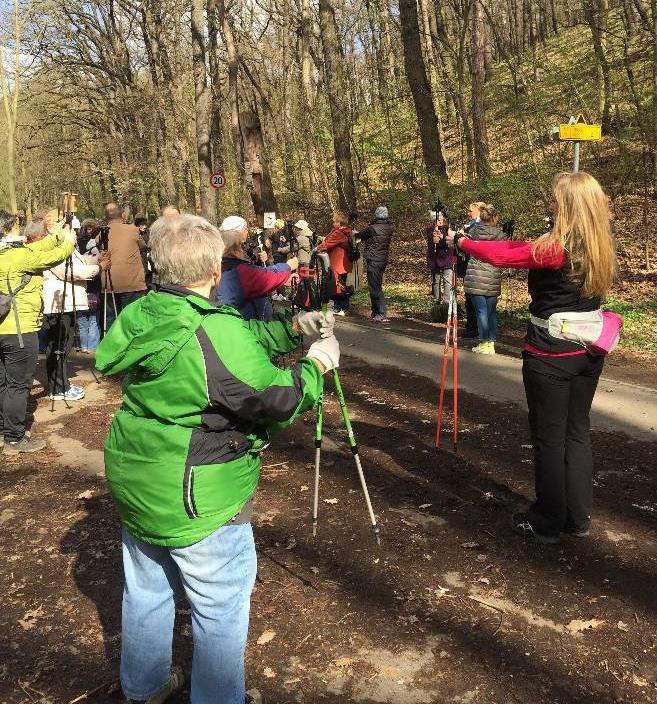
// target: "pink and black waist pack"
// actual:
[[598, 330]]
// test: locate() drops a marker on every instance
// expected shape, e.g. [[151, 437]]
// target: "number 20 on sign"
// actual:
[[218, 180]]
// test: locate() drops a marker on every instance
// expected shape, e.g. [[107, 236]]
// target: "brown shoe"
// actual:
[[175, 684], [24, 445]]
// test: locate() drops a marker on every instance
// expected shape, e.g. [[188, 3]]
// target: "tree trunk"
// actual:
[[421, 91], [215, 63], [262, 192], [202, 106], [479, 127], [596, 16], [233, 99], [339, 118]]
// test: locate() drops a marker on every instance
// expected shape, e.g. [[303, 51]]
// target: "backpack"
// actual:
[[353, 253], [8, 302]]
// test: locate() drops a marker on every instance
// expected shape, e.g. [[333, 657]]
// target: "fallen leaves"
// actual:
[[88, 494], [269, 673], [29, 618], [266, 637], [577, 626], [344, 662], [331, 501]]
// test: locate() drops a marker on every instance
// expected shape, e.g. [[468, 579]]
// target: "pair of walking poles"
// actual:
[[319, 428]]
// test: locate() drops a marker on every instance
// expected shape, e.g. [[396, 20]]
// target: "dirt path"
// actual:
[[450, 608]]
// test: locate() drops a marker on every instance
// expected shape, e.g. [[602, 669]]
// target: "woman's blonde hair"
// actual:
[[487, 212], [581, 228]]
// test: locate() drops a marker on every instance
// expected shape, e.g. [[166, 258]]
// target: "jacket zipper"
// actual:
[[188, 492]]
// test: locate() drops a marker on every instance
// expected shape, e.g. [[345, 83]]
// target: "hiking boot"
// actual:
[[175, 684], [253, 696], [520, 524], [24, 445]]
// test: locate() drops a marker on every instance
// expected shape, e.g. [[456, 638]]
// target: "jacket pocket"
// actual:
[[188, 492], [220, 490]]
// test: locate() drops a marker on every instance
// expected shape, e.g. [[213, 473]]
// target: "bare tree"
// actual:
[[339, 117]]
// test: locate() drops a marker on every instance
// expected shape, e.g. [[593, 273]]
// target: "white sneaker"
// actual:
[[73, 394], [340, 313]]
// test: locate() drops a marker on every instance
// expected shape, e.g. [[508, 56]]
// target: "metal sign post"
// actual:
[[577, 130]]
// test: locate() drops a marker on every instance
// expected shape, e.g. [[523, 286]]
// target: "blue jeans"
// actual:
[[88, 327], [486, 311], [217, 576]]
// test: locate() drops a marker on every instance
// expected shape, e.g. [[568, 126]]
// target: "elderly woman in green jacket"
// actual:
[[201, 398], [21, 280]]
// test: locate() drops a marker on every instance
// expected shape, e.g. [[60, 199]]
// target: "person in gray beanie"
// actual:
[[377, 236]]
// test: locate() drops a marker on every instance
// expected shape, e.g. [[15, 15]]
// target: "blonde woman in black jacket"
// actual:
[[483, 282]]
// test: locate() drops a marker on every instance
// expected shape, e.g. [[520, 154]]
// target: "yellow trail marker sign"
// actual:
[[580, 132]]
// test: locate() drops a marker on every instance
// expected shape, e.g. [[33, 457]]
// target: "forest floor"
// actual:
[[451, 607]]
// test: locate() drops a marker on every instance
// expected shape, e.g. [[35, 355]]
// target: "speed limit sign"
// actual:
[[218, 180]]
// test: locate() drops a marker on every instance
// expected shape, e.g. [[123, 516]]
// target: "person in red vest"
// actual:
[[336, 245]]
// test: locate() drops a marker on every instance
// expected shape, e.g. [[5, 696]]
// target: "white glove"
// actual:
[[326, 352], [316, 323]]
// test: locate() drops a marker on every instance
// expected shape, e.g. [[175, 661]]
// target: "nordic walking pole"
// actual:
[[455, 359], [318, 455], [443, 375], [354, 449]]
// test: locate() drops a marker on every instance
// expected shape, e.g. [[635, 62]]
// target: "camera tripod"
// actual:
[[319, 429]]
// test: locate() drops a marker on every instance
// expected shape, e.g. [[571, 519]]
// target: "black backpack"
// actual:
[[353, 253]]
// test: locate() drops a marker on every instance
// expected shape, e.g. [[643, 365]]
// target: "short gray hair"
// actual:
[[231, 237], [185, 249]]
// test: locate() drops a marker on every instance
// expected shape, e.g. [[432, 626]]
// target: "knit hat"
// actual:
[[381, 213], [233, 222]]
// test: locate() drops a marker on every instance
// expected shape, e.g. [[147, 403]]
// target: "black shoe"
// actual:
[[521, 525], [581, 532], [469, 335]]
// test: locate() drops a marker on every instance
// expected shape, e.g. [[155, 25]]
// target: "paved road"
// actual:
[[618, 406]]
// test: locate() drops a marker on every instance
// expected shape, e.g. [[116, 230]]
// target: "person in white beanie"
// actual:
[[243, 285]]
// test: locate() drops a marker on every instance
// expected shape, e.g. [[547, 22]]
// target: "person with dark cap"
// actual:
[[377, 236]]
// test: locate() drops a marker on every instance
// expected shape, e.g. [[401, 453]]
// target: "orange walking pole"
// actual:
[[451, 340]]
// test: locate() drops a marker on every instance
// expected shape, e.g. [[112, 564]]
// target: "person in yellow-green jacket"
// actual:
[[21, 313]]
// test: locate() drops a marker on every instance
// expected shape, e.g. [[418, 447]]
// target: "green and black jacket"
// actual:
[[200, 399]]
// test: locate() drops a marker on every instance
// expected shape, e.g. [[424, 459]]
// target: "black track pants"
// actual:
[[559, 394]]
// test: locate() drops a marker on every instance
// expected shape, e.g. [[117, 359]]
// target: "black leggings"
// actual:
[[559, 394]]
